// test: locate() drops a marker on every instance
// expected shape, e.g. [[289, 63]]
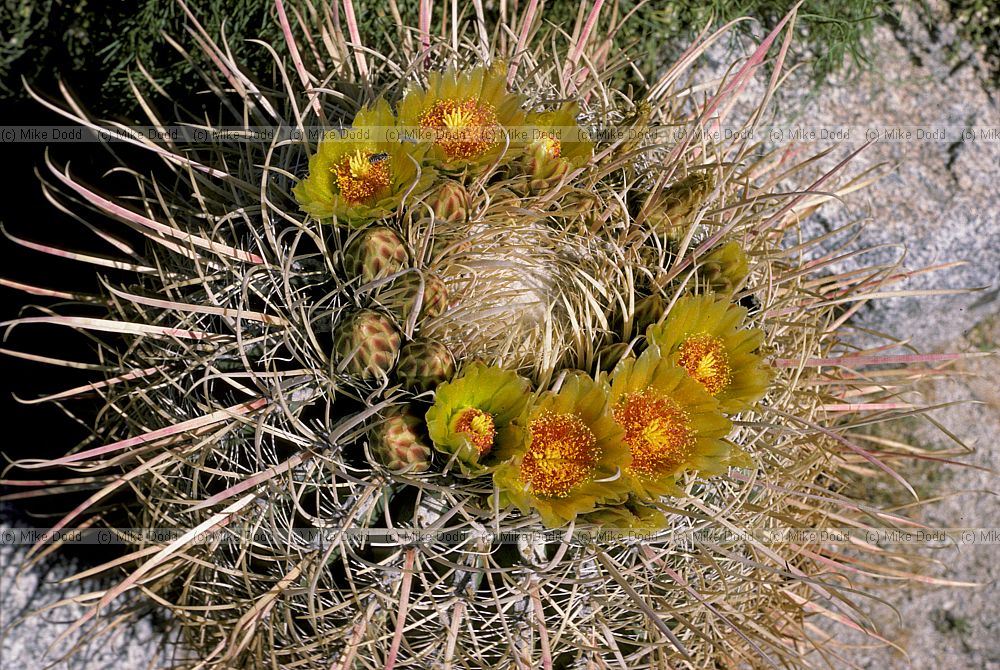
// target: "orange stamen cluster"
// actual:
[[563, 453], [706, 361], [464, 129], [548, 145], [657, 431], [362, 177], [478, 426]]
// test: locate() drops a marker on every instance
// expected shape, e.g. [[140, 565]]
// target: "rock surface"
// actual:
[[939, 204], [941, 200], [31, 643], [938, 626]]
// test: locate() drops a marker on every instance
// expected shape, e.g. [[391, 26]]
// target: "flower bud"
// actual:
[[398, 442], [423, 364], [369, 342], [450, 202], [375, 253]]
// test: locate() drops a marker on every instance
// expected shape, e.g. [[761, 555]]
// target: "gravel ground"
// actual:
[[26, 644], [939, 627], [942, 202]]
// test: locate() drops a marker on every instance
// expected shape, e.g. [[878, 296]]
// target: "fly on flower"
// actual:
[[355, 181]]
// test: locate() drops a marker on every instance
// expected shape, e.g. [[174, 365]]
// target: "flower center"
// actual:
[[706, 361], [547, 145], [657, 431], [478, 427], [562, 454], [362, 176], [464, 129]]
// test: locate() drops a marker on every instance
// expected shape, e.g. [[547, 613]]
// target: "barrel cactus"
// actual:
[[486, 373]]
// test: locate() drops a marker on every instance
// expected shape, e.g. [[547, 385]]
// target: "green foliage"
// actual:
[[830, 34], [978, 23], [947, 623], [94, 46], [35, 34]]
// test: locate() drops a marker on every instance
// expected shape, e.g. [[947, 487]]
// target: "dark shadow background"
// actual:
[[46, 430]]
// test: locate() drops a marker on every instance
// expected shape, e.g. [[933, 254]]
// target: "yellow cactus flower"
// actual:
[[472, 414], [364, 174], [570, 456], [464, 116], [704, 336], [557, 145], [671, 424]]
